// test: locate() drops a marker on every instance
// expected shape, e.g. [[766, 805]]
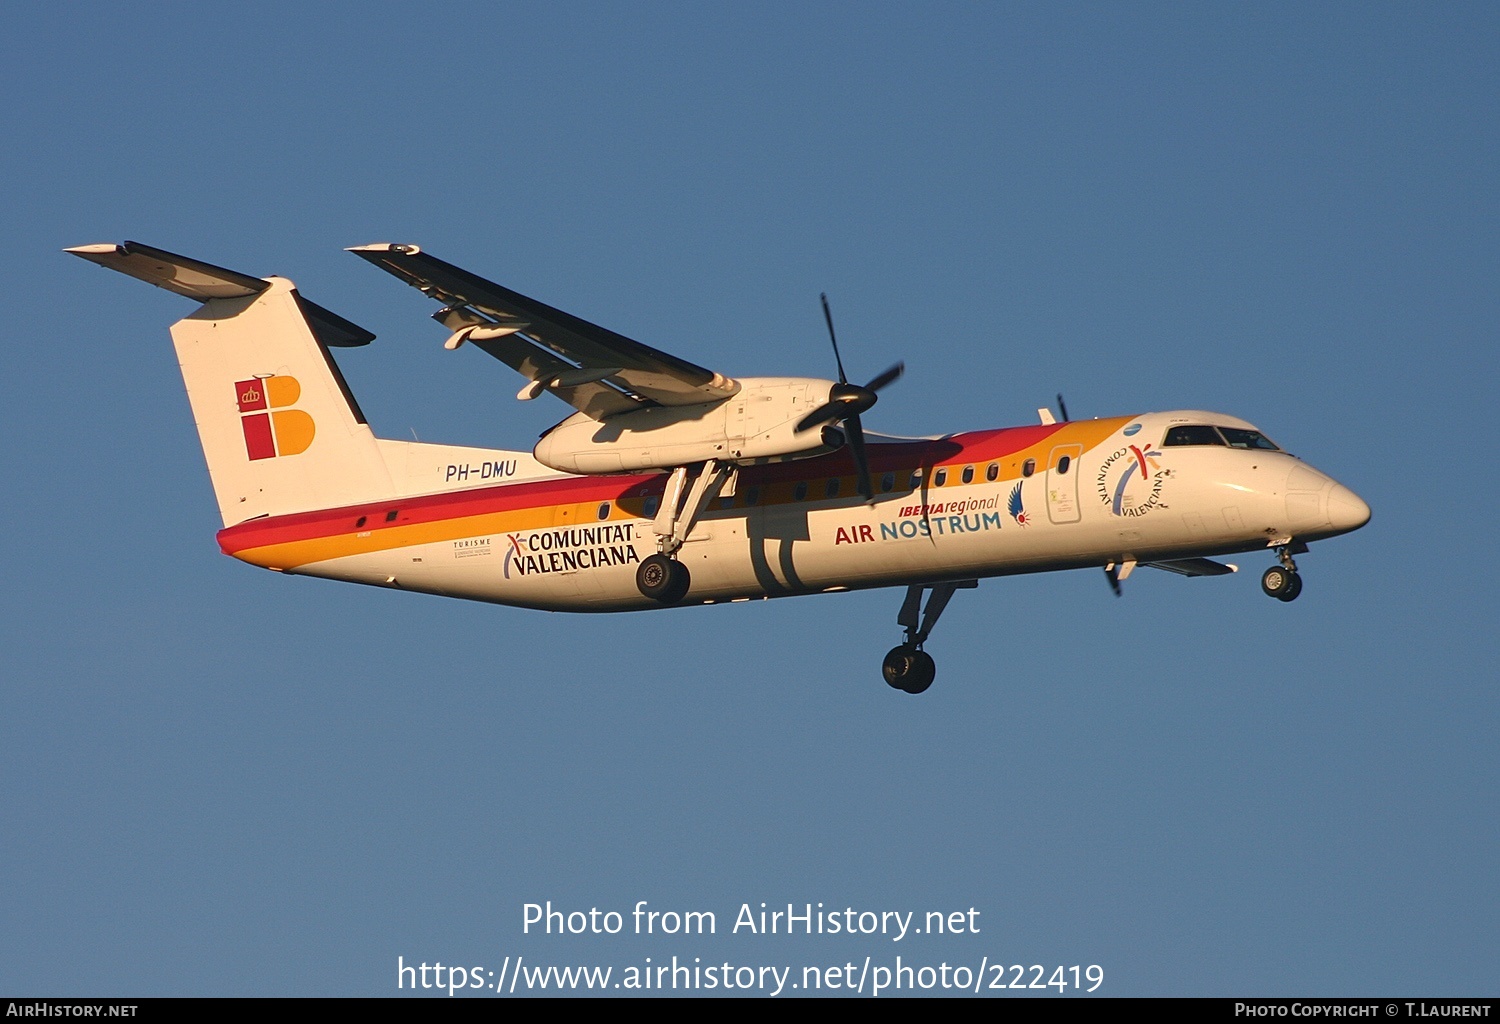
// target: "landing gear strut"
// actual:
[[908, 667], [1282, 581], [661, 576]]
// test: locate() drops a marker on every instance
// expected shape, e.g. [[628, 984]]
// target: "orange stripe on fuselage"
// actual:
[[286, 542], [290, 541]]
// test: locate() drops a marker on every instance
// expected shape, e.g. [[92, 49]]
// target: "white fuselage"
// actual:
[[1081, 494]]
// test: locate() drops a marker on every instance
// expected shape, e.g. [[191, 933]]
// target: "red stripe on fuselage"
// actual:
[[974, 447]]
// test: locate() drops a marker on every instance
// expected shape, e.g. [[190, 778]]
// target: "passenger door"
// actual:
[[1062, 483]]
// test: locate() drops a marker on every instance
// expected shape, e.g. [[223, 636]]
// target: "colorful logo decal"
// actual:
[[940, 526], [948, 507], [471, 547], [569, 550], [1130, 481], [1017, 510], [272, 429]]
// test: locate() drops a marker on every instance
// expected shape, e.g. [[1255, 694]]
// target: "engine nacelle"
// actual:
[[755, 426]]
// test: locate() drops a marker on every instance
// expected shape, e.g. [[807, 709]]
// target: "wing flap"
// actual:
[[593, 398]]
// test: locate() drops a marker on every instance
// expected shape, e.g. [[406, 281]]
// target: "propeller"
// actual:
[[845, 404], [1062, 407]]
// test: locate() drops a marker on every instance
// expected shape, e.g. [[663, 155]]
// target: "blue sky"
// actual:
[[221, 781]]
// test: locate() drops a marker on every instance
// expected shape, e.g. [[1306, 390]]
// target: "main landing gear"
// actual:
[[907, 667], [661, 576], [663, 579], [1282, 581]]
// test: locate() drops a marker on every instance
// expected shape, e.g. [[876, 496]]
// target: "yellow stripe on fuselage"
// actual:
[[294, 554]]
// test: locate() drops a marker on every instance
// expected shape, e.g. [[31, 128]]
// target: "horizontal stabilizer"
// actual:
[[189, 277], [333, 329], [1195, 567], [205, 282]]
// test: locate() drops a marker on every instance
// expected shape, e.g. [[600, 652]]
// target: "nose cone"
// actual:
[[1347, 510], [1318, 506]]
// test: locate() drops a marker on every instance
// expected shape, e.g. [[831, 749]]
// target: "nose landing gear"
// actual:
[[1282, 584], [1282, 581], [907, 667]]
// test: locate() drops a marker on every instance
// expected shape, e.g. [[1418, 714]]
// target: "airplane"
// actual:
[[671, 484]]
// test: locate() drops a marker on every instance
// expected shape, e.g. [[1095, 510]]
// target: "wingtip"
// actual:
[[409, 250], [97, 249]]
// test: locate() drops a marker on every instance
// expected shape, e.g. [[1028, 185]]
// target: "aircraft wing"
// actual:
[[591, 368], [1194, 567]]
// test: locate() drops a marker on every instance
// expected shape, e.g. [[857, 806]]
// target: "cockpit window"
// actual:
[[1238, 438], [1234, 437], [1184, 436]]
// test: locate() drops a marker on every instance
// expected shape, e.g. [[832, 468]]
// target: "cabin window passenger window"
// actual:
[[800, 491], [390, 516], [1063, 464], [831, 488], [993, 472], [968, 474], [1028, 467], [652, 504], [604, 510], [916, 478], [752, 495], [887, 482], [359, 523], [1182, 437], [940, 478]]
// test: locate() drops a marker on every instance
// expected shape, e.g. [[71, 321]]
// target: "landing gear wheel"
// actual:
[[906, 668], [663, 579], [1281, 583], [923, 673]]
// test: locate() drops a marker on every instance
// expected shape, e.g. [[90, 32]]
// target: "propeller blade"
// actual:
[[827, 316], [822, 414], [856, 435], [1062, 407], [845, 403], [887, 377]]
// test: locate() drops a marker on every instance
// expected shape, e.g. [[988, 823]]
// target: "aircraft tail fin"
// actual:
[[280, 430]]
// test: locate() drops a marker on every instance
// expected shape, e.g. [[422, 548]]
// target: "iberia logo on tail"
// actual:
[[272, 429]]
